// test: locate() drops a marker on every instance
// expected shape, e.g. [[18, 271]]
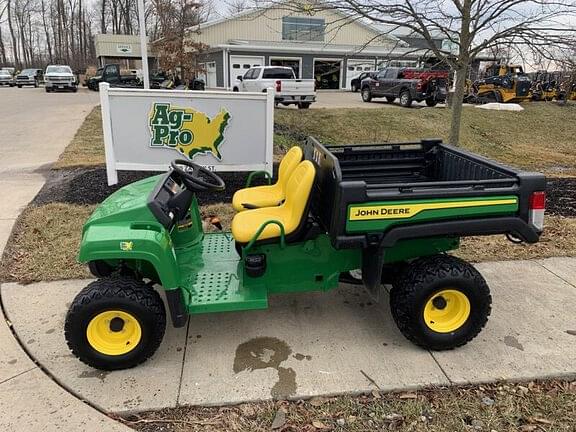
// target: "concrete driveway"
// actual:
[[348, 99], [35, 127]]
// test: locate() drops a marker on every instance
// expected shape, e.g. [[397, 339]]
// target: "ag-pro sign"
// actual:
[[144, 130]]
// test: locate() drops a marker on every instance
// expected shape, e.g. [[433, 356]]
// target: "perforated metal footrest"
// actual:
[[221, 292]]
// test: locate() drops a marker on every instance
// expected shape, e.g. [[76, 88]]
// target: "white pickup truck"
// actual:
[[60, 77], [288, 89]]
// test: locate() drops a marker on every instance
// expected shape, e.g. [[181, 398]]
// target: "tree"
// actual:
[[471, 26], [178, 53]]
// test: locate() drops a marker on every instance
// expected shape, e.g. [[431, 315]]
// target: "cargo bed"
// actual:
[[360, 187]]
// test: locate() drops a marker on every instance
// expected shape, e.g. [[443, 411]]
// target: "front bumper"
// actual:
[[59, 84], [23, 82]]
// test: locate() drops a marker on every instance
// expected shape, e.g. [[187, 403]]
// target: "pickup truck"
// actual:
[[408, 84], [110, 73], [32, 77], [6, 78], [60, 77], [289, 90]]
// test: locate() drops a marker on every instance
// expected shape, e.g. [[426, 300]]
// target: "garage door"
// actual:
[[356, 67], [240, 64]]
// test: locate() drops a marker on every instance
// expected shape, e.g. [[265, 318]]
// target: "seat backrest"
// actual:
[[298, 191], [288, 164]]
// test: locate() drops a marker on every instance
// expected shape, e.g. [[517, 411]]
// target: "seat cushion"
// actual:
[[259, 196], [246, 223]]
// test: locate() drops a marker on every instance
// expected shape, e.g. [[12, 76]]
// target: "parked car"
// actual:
[[29, 77], [6, 78], [408, 84], [356, 82], [60, 77], [289, 89]]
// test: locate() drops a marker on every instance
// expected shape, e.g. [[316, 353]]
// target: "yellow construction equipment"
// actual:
[[502, 83]]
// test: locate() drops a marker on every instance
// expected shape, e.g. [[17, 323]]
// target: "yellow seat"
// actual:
[[272, 195], [245, 224]]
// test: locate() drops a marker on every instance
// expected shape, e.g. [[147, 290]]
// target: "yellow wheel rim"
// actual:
[[114, 332], [446, 311]]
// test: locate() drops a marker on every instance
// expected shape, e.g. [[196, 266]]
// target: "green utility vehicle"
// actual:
[[371, 215]]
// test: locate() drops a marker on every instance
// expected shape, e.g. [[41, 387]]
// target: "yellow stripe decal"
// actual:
[[405, 211]]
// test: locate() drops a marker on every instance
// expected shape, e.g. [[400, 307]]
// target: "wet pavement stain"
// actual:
[[101, 375], [11, 362], [571, 332], [512, 342], [267, 352], [50, 331]]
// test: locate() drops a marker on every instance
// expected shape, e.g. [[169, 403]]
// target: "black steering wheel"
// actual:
[[196, 177]]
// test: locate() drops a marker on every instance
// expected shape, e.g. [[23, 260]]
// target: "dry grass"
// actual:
[[529, 407], [45, 241], [87, 147], [558, 239], [44, 244], [539, 138]]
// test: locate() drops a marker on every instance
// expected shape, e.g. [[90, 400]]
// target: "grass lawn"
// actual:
[[539, 138], [529, 407], [87, 147]]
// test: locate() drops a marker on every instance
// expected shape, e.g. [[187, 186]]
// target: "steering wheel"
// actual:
[[196, 177]]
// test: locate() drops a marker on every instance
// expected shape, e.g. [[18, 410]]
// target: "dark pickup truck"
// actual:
[[408, 84], [111, 74]]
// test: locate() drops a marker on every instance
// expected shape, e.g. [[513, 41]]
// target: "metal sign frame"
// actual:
[[113, 165]]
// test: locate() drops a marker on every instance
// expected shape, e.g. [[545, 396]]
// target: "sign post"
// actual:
[[143, 43]]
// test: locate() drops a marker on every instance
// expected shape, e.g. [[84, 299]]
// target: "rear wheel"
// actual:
[[304, 105], [390, 99], [440, 302], [115, 323], [366, 94], [405, 98], [431, 102]]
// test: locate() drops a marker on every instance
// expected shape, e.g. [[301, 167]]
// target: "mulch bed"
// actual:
[[89, 186]]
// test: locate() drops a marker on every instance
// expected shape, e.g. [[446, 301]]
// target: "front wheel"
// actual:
[[303, 105], [440, 302], [115, 323], [366, 94], [406, 99]]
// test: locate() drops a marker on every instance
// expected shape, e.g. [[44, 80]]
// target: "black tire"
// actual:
[[431, 102], [354, 88], [406, 98], [417, 286], [74, 89], [366, 94], [123, 294], [19, 86], [390, 99], [47, 89], [304, 105], [35, 84]]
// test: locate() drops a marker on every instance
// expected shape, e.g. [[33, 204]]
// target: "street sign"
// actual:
[[144, 130]]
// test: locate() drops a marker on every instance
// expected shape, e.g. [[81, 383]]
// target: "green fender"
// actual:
[[137, 241]]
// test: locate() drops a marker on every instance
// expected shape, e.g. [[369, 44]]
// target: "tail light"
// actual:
[[537, 209], [278, 86]]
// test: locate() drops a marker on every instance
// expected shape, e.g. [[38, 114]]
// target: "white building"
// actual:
[[325, 45]]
